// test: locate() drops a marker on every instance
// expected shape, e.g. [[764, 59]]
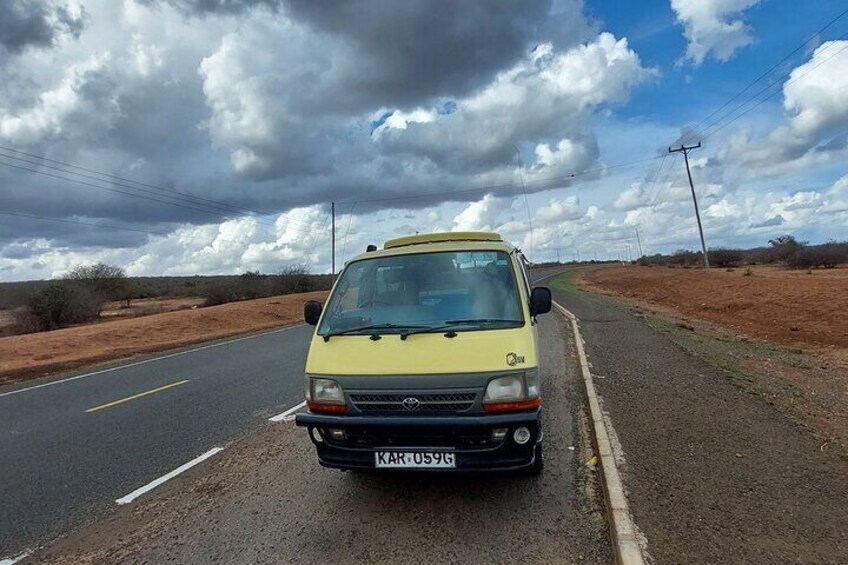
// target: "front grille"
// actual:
[[415, 436], [428, 403]]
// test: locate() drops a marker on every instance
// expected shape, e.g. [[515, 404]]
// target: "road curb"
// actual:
[[626, 548]]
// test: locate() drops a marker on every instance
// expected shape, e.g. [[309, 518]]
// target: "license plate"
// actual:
[[414, 460]]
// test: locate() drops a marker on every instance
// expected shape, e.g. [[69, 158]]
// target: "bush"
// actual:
[[250, 285], [61, 304], [723, 257], [220, 294], [827, 255], [108, 281], [293, 279], [783, 247], [686, 258]]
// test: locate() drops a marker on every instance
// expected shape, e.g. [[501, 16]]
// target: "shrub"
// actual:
[[294, 278], [783, 247], [63, 303], [686, 258], [827, 255], [250, 285], [220, 294], [723, 257]]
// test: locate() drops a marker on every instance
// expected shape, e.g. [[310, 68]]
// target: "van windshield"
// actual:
[[468, 290]]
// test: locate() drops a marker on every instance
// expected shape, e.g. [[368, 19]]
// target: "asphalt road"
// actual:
[[62, 465], [265, 499]]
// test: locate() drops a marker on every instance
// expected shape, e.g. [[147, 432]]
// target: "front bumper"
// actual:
[[469, 437]]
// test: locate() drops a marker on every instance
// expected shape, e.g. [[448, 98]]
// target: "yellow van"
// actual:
[[425, 357]]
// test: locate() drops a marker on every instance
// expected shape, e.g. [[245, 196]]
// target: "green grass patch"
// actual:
[[563, 283]]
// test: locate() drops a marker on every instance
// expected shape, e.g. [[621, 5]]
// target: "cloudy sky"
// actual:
[[210, 136]]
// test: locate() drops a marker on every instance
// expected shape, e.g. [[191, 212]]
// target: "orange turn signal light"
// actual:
[[513, 406], [326, 408]]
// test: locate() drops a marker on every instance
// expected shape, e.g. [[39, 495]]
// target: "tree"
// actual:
[[107, 281], [783, 247]]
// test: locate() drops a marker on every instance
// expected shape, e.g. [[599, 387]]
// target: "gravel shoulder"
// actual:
[[265, 499], [715, 472]]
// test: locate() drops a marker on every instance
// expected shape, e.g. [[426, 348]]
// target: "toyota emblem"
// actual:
[[411, 403]]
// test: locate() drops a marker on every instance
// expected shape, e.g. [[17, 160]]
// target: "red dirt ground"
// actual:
[[772, 304], [33, 355]]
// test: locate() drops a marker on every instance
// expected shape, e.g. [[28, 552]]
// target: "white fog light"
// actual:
[[316, 435], [521, 435], [338, 435], [498, 434]]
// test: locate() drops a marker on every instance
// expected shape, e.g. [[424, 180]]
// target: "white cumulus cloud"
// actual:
[[712, 27]]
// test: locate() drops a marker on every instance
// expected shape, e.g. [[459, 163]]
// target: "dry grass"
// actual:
[[32, 355], [766, 302]]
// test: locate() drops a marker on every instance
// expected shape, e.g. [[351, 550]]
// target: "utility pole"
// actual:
[[557, 250], [333, 237], [628, 251], [685, 150], [639, 243]]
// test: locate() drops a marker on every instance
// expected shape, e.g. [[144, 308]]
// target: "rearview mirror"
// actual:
[[540, 301], [312, 312]]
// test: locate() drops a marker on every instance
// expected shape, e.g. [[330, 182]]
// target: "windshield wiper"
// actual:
[[368, 327], [452, 325], [482, 321]]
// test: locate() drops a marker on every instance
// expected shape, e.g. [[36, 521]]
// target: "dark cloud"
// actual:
[[205, 7], [21, 235], [771, 222], [16, 251], [25, 23], [411, 51]]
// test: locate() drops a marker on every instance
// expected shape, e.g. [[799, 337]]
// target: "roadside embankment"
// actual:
[[790, 307], [34, 355]]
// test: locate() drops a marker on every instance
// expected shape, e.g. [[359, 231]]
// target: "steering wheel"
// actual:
[[374, 301]]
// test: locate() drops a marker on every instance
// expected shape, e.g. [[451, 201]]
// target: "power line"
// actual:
[[513, 185], [170, 193], [708, 133], [108, 226], [765, 74], [132, 194], [149, 198], [80, 222], [217, 207], [657, 175], [160, 192]]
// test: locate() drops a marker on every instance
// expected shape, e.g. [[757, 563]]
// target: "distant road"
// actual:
[[72, 445]]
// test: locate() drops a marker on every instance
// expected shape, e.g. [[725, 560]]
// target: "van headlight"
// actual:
[[325, 395], [513, 393]]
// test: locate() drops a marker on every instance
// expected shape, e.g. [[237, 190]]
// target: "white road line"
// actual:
[[13, 560], [626, 546], [177, 354], [182, 468], [288, 415]]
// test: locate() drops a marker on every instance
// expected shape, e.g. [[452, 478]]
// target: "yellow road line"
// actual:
[[133, 397]]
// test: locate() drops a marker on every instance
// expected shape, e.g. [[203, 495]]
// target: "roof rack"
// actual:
[[439, 237]]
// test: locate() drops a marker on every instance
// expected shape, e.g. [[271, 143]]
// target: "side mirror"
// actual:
[[540, 300], [312, 312]]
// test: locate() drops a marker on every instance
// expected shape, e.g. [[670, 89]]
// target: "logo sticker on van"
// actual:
[[513, 359]]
